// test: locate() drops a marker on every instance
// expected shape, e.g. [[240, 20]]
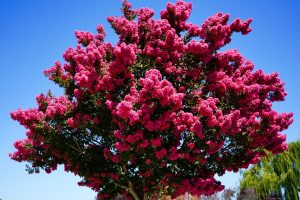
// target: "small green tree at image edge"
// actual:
[[276, 175]]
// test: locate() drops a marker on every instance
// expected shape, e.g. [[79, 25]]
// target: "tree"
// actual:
[[276, 176], [247, 194], [210, 197], [159, 113], [228, 194]]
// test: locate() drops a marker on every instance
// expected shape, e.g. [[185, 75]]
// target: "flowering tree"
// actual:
[[159, 113]]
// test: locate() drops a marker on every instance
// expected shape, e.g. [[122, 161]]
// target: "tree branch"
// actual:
[[132, 192], [130, 188]]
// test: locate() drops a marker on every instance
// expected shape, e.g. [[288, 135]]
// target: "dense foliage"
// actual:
[[278, 175], [160, 112]]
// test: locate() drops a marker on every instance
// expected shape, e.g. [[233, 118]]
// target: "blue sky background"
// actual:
[[35, 33]]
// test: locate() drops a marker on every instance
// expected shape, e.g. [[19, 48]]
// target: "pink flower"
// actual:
[[160, 154], [197, 129], [147, 174], [122, 146], [148, 161], [58, 106], [115, 158], [241, 26], [71, 123], [156, 142], [145, 14], [198, 48], [191, 145], [84, 38], [144, 144], [179, 11], [96, 120], [123, 109], [174, 156], [214, 146], [101, 32]]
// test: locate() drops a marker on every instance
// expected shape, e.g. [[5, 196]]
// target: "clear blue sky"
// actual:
[[35, 33]]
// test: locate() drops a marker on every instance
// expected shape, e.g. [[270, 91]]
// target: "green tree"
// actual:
[[276, 175]]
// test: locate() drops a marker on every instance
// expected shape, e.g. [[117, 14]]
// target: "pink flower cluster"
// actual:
[[128, 30], [177, 14], [58, 106], [28, 118], [84, 38], [127, 10], [162, 107], [163, 90], [218, 33], [198, 187], [23, 150]]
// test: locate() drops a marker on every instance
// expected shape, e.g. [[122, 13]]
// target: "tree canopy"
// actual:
[[276, 175], [161, 112]]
